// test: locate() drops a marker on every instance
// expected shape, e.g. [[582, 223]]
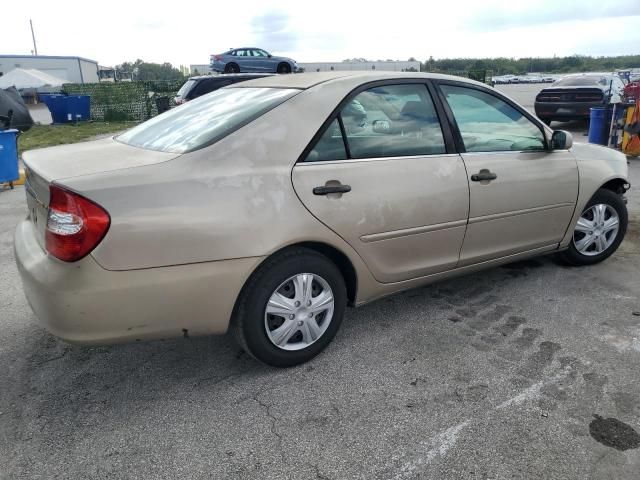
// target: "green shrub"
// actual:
[[124, 101]]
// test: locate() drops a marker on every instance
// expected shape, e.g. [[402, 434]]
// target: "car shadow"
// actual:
[[61, 380]]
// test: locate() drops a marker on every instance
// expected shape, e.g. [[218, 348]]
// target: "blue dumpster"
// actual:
[[79, 107], [57, 106], [598, 131], [9, 156], [68, 108]]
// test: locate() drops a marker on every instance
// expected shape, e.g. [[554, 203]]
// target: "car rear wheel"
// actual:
[[291, 308], [231, 68], [599, 230], [284, 68]]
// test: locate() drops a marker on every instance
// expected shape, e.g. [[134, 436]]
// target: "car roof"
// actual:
[[591, 74], [233, 75], [302, 81]]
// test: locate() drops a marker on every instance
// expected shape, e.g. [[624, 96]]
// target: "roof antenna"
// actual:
[[33, 36]]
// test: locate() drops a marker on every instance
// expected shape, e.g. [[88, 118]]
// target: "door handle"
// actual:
[[483, 175], [327, 189]]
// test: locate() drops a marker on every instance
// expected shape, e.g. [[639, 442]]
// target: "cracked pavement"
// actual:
[[496, 375]]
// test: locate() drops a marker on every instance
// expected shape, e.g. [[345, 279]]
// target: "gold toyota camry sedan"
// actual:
[[270, 205]]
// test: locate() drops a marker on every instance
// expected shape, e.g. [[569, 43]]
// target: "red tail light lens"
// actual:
[[75, 225], [217, 58]]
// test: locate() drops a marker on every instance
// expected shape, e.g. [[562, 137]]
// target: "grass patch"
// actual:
[[40, 136]]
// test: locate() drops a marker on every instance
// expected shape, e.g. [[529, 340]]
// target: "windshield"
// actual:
[[584, 81], [204, 120]]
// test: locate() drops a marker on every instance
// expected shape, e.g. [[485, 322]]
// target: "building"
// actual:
[[72, 69], [394, 66], [200, 69]]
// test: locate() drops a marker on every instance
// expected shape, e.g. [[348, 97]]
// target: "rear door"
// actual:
[[244, 60], [382, 174], [522, 195]]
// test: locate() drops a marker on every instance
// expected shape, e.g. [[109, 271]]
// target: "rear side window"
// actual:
[[330, 146], [186, 87], [205, 120], [388, 121]]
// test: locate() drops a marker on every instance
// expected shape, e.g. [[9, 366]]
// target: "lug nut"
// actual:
[[309, 303], [292, 316], [300, 323], [297, 304]]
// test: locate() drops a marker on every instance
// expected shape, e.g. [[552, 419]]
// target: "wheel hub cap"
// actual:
[[299, 311], [596, 230]]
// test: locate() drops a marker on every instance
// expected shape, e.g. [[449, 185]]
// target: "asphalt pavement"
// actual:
[[522, 372]]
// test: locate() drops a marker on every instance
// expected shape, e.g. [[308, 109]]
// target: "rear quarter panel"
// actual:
[[234, 199]]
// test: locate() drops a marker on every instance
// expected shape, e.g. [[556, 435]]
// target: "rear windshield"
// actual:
[[204, 120], [584, 81]]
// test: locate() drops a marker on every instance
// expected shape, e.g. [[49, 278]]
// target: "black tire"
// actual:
[[283, 68], [572, 256], [249, 318], [231, 68]]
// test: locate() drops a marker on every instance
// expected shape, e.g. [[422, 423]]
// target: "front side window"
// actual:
[[387, 121], [205, 120], [489, 124]]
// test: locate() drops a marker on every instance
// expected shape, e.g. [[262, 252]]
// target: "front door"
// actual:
[[522, 195], [380, 176]]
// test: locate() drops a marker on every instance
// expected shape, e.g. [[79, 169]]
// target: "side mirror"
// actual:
[[381, 126], [269, 55], [561, 140]]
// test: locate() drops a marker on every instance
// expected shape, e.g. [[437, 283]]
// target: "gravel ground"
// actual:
[[521, 372]]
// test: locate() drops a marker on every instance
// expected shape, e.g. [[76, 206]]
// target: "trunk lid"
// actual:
[[46, 165]]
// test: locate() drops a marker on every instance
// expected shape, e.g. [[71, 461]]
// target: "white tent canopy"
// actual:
[[29, 78]]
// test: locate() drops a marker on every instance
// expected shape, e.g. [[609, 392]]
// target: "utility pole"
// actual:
[[33, 36]]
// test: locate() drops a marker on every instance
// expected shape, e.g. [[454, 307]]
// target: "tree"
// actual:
[[144, 71]]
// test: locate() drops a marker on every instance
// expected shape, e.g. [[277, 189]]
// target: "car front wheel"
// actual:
[[291, 308], [599, 230]]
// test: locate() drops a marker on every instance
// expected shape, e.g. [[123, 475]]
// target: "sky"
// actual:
[[187, 33]]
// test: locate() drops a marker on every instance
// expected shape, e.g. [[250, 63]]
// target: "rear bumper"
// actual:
[[217, 66], [568, 111], [83, 303]]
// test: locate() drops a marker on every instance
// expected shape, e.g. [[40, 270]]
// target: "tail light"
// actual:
[[589, 97], [542, 97], [217, 58], [75, 225]]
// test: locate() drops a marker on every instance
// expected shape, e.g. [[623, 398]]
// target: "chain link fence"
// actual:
[[124, 101]]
